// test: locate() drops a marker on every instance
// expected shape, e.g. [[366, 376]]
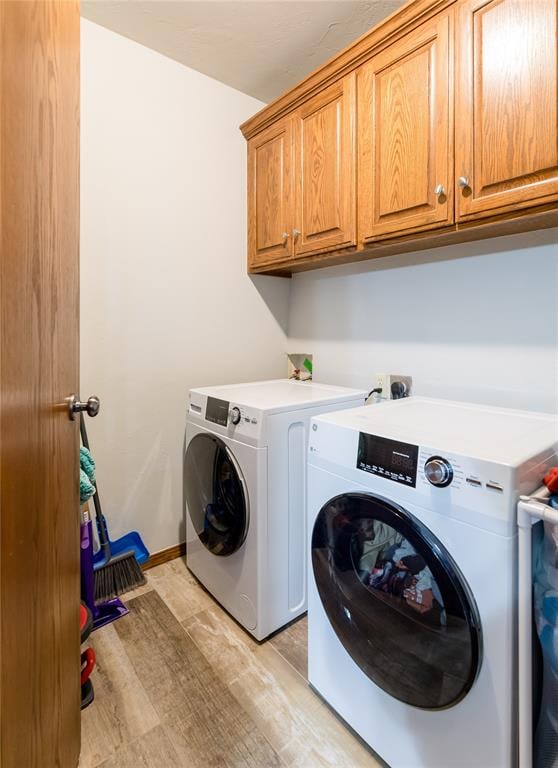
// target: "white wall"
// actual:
[[165, 303], [476, 322]]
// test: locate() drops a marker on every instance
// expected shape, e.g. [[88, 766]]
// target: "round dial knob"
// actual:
[[235, 415], [438, 471]]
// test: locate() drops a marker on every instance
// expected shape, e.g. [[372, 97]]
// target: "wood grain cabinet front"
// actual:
[[270, 195], [439, 126], [405, 134], [506, 109], [325, 170]]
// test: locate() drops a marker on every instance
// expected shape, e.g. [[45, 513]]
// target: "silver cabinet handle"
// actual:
[[285, 236], [296, 233], [463, 182], [92, 406], [439, 190]]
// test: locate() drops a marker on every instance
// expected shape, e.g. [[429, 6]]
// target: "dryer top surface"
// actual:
[[281, 394]]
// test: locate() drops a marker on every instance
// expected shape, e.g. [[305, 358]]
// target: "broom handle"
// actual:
[[101, 525]]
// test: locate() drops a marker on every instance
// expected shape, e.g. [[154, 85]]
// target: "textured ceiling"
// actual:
[[261, 47]]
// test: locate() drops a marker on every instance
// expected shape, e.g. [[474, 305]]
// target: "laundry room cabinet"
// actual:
[[325, 170], [506, 110], [271, 195], [405, 125], [438, 126], [302, 180]]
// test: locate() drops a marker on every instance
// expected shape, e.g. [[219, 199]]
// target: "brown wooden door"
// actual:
[[405, 134], [325, 217], [270, 195], [39, 502], [506, 109]]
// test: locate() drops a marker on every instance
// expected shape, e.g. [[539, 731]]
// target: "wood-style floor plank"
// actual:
[[154, 750], [179, 589], [203, 720], [292, 644], [301, 728], [261, 695], [121, 711]]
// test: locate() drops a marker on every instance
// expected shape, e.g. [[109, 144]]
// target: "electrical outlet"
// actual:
[[385, 380]]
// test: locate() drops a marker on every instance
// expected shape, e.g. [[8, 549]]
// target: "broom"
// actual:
[[114, 573]]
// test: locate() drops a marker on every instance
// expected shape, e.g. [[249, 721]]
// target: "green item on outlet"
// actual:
[[308, 365]]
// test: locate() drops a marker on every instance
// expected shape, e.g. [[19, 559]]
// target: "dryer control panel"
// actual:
[[230, 418], [217, 411]]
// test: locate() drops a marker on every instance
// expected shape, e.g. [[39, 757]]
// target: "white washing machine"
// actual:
[[245, 492], [412, 574]]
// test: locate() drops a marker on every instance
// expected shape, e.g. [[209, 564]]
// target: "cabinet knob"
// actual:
[[285, 236], [439, 190], [463, 182], [296, 233]]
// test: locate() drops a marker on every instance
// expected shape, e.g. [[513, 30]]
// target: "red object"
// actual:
[[88, 661], [85, 622], [83, 617], [551, 480]]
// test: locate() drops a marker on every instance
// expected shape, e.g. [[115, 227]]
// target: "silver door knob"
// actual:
[[92, 406], [439, 190], [285, 236], [296, 233], [463, 182]]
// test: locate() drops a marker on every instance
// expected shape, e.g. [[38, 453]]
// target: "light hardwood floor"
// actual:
[[179, 684]]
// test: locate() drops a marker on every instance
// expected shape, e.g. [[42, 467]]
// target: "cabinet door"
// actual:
[[270, 195], [506, 105], [405, 134], [325, 216]]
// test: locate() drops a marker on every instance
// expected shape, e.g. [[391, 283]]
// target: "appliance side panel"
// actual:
[[296, 485]]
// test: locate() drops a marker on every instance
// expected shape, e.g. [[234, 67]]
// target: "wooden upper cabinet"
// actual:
[[405, 133], [506, 112], [270, 195], [325, 175], [438, 126]]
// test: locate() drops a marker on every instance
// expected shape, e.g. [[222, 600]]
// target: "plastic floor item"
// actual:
[[87, 694], [85, 622], [130, 542]]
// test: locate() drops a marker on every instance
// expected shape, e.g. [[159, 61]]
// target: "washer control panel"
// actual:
[[235, 415], [438, 471], [458, 472], [391, 459]]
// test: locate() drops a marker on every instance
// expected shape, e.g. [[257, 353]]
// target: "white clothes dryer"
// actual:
[[412, 574], [245, 492]]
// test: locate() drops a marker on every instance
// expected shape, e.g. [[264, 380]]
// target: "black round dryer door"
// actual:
[[396, 600], [215, 495]]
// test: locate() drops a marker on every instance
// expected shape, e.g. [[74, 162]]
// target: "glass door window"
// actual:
[[215, 495], [396, 600]]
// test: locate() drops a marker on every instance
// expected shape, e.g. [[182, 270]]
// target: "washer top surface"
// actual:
[[281, 394], [500, 435]]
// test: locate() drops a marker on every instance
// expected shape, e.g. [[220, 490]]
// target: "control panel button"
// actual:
[[438, 471], [235, 415], [473, 481]]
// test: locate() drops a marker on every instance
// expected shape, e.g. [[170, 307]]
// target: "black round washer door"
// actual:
[[215, 495], [396, 600]]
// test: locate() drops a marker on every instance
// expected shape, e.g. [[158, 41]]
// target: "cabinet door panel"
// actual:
[[404, 113], [270, 195], [325, 167], [506, 104]]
